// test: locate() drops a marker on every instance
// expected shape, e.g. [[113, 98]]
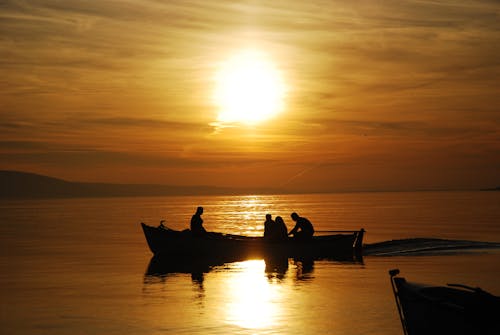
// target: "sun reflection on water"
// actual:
[[245, 215], [254, 302]]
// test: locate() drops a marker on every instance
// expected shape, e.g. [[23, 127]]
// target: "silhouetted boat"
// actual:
[[454, 309], [183, 245]]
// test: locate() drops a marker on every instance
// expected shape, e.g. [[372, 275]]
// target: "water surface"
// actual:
[[80, 266]]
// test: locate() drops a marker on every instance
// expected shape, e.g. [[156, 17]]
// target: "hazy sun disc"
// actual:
[[249, 89]]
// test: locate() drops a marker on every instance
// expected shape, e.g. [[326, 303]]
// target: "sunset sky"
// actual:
[[353, 95]]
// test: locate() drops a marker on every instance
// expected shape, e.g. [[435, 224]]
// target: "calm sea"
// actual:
[[80, 266]]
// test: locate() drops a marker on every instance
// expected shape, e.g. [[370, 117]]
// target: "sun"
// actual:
[[248, 89]]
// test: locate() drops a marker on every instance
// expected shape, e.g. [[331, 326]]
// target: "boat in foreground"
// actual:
[[169, 243], [453, 309]]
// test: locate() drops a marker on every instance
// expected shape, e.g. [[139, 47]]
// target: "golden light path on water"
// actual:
[[254, 300], [245, 215]]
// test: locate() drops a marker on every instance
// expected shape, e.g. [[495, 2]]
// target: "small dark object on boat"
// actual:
[[437, 310], [184, 245]]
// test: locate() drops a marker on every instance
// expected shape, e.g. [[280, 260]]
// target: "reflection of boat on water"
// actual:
[[453, 309], [160, 266], [183, 245], [275, 265]]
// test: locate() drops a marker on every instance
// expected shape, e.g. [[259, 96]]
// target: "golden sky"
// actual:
[[377, 94]]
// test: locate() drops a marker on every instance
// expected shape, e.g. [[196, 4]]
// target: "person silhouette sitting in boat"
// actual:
[[269, 227], [303, 229], [281, 229], [197, 223], [275, 230]]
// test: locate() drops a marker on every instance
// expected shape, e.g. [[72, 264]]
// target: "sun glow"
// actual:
[[249, 89], [254, 303]]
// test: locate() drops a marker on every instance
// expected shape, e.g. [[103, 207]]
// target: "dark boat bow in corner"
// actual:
[[169, 243], [437, 310]]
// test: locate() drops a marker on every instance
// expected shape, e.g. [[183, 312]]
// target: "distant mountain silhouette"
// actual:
[[22, 185], [15, 184], [491, 189]]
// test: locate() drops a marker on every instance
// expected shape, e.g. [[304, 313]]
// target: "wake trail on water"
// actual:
[[426, 246]]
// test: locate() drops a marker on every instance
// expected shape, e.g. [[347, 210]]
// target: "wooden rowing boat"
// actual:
[[171, 243], [453, 309]]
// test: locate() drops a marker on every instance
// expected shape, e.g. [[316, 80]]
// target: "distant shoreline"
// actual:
[[491, 189], [26, 185]]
